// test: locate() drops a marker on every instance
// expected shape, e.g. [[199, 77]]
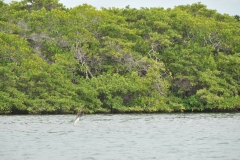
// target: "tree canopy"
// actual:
[[56, 60]]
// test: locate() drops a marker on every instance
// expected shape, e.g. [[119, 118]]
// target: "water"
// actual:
[[131, 136]]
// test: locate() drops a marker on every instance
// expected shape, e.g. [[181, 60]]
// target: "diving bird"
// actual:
[[80, 113]]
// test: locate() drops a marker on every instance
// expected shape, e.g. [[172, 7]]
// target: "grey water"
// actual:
[[128, 136]]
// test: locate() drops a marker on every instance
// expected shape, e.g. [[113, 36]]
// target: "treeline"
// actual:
[[56, 60]]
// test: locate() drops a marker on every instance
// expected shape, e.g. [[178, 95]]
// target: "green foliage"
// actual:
[[58, 60], [237, 17]]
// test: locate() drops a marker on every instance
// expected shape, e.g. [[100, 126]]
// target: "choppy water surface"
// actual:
[[132, 136]]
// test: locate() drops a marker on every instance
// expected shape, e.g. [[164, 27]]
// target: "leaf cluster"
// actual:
[[56, 60]]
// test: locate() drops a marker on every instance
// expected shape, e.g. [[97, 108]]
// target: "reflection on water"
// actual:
[[131, 136]]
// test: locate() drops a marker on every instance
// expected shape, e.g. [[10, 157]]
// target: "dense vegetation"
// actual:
[[56, 60]]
